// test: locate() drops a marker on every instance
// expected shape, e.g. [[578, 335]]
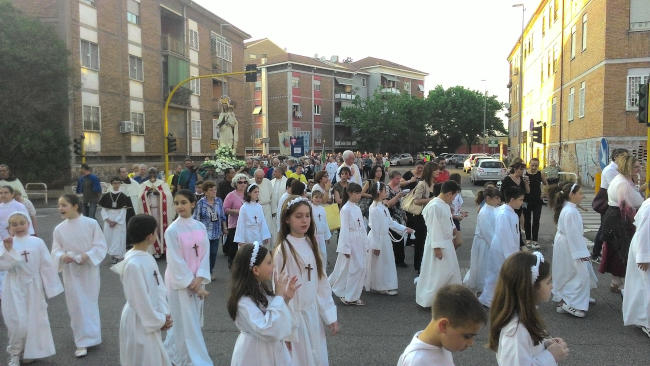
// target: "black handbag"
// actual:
[[599, 204]]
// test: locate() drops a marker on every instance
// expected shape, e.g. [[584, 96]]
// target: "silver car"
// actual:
[[488, 170], [402, 159]]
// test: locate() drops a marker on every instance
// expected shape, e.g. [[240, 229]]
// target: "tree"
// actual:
[[457, 116], [33, 98]]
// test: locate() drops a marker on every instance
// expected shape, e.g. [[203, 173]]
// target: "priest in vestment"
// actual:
[[155, 199], [265, 200]]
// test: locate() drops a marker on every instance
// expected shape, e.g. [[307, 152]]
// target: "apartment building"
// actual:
[[582, 63], [305, 95], [127, 55]]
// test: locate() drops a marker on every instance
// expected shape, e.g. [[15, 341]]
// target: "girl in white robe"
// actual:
[[475, 277], [251, 224], [573, 274], [381, 274], [187, 273], [262, 317], [145, 313], [78, 248], [323, 233], [349, 272], [636, 302], [522, 340], [505, 240], [439, 262], [312, 308], [114, 205], [30, 275]]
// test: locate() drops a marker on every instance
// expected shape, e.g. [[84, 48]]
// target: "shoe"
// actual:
[[26, 361], [615, 289], [358, 302], [559, 309], [595, 260], [646, 331], [391, 292], [14, 361], [592, 300], [156, 255], [213, 277], [81, 352], [114, 260], [572, 311], [532, 245], [402, 264], [415, 280]]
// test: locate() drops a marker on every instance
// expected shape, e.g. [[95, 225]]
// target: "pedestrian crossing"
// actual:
[[590, 218]]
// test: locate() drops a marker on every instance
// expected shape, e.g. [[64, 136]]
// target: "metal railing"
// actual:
[[36, 189]]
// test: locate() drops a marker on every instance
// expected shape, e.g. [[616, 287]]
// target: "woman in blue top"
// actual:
[[209, 211]]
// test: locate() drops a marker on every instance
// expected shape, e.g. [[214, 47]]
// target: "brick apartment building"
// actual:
[[126, 56], [582, 63], [305, 96]]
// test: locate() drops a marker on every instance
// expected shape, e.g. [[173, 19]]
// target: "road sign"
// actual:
[[603, 153], [493, 143], [532, 124]]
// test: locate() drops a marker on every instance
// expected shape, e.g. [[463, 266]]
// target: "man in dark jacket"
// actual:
[[90, 188]]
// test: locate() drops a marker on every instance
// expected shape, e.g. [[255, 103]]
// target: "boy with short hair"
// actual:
[[457, 317], [114, 205]]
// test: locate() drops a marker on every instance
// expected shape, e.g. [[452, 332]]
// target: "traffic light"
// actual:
[[171, 143], [537, 134], [251, 77], [78, 145], [643, 103]]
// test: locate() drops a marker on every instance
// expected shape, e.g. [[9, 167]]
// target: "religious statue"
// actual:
[[227, 122]]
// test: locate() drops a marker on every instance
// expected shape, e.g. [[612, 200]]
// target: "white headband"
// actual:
[[296, 200], [534, 270], [250, 188], [256, 249], [573, 187], [29, 221]]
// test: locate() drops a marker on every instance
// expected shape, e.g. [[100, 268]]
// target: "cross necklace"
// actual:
[[155, 275], [25, 253], [309, 268], [196, 249]]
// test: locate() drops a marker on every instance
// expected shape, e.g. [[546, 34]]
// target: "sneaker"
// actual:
[[560, 310], [415, 280], [595, 260], [14, 361], [391, 292], [114, 260], [533, 245], [81, 352], [572, 311], [646, 331], [214, 276], [592, 300]]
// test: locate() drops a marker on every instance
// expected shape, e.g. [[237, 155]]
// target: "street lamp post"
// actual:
[[484, 118], [521, 68]]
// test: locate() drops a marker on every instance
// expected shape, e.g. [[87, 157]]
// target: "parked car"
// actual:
[[402, 159], [467, 165], [456, 160], [488, 170]]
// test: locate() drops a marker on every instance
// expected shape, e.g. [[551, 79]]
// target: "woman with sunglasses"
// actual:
[[231, 205]]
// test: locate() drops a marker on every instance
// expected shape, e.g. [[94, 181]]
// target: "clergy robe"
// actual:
[[145, 310], [262, 333], [6, 209], [418, 353], [381, 274], [436, 273], [312, 307], [504, 243], [73, 237], [187, 258], [349, 274], [251, 224], [322, 229], [132, 189], [573, 278], [30, 273], [264, 199], [516, 347], [279, 188], [114, 206], [156, 199], [475, 277], [281, 200], [636, 302]]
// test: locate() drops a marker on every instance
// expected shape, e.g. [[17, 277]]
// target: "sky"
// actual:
[[457, 42]]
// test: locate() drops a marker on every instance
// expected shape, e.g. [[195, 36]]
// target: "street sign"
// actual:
[[493, 143], [603, 153], [532, 124]]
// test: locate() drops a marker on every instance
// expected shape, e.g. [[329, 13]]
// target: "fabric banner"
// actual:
[[285, 142]]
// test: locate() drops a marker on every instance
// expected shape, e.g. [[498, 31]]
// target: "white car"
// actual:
[[488, 170], [467, 165]]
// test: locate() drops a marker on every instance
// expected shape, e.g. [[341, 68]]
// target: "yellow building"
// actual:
[[582, 63]]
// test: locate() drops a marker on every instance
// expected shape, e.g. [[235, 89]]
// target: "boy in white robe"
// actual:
[[145, 313], [349, 272], [636, 302], [78, 248], [449, 330], [114, 205], [323, 233], [475, 277], [9, 205], [30, 275], [439, 262], [505, 241]]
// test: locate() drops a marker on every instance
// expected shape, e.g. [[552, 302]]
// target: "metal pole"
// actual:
[[484, 117], [521, 72]]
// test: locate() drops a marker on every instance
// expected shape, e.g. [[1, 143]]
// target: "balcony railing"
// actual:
[[220, 66], [390, 90], [345, 143], [173, 44], [338, 120], [344, 96]]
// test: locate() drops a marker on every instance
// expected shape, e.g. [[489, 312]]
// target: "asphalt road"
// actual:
[[372, 335]]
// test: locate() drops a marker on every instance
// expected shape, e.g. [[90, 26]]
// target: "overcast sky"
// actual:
[[457, 42]]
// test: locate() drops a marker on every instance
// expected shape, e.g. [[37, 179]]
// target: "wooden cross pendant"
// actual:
[[196, 249], [359, 222], [24, 253], [155, 275], [255, 217], [309, 268], [318, 217]]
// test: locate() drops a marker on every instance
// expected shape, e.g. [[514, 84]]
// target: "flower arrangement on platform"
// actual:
[[224, 157]]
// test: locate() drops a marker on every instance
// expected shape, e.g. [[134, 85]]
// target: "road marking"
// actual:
[[468, 193]]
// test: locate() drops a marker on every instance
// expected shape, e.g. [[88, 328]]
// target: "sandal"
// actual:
[[358, 302], [614, 288]]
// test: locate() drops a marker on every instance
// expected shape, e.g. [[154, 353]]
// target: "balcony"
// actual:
[[344, 96], [345, 143], [220, 66], [338, 120], [173, 44], [390, 90]]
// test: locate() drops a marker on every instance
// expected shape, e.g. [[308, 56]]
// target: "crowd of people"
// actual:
[[274, 220]]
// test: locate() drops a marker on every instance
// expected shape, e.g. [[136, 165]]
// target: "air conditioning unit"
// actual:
[[299, 114], [126, 126]]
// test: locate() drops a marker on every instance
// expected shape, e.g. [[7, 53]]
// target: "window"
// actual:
[[295, 82], [572, 93], [584, 32], [556, 10], [363, 81], [296, 111], [91, 117], [541, 71], [138, 123], [257, 133], [215, 129], [544, 25], [135, 68], [633, 82], [222, 52], [573, 42], [195, 86], [556, 56], [549, 63], [257, 110], [89, 55], [317, 109], [133, 11], [89, 2], [554, 111], [407, 86], [196, 128], [639, 15], [258, 85], [194, 39], [316, 85], [581, 101]]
